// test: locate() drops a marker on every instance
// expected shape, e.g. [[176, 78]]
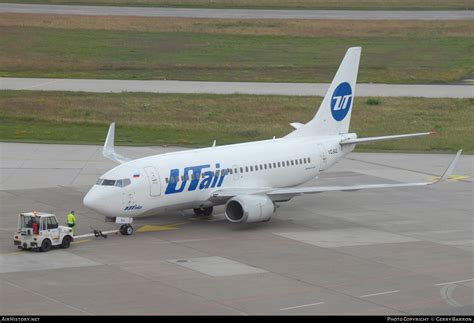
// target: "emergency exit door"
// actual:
[[323, 157], [153, 180]]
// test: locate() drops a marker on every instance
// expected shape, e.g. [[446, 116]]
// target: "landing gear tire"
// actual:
[[126, 230], [208, 211], [203, 211], [46, 245], [198, 212]]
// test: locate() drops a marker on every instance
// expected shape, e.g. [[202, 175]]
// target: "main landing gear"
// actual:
[[203, 211]]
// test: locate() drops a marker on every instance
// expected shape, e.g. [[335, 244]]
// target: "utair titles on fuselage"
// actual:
[[248, 178], [198, 177]]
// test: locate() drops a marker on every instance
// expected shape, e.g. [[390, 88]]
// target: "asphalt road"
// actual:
[[260, 88], [237, 13], [387, 252]]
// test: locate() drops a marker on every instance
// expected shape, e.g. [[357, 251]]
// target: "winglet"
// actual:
[[450, 168], [109, 141], [109, 148]]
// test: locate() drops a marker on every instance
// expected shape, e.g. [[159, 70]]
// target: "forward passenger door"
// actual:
[[153, 180]]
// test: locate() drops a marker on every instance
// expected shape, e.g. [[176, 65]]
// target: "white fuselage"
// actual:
[[186, 179]]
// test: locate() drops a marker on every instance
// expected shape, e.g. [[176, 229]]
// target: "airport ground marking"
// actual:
[[453, 177], [40, 84], [153, 228], [447, 295], [81, 241], [381, 293], [11, 253], [300, 306], [455, 282]]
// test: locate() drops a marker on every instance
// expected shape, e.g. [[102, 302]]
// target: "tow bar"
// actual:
[[96, 233]]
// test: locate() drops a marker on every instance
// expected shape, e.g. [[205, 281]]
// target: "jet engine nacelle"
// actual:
[[249, 208]]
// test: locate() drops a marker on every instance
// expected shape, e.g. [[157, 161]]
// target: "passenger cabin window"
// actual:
[[246, 169], [292, 163], [309, 160], [304, 160], [265, 166], [301, 161], [241, 169], [274, 165]]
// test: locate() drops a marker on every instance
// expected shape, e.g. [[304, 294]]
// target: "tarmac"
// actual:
[[239, 13], [399, 251], [255, 88]]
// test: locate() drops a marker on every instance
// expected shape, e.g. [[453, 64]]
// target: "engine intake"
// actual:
[[249, 208]]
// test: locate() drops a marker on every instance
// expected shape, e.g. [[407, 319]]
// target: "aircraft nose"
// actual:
[[92, 200], [103, 200]]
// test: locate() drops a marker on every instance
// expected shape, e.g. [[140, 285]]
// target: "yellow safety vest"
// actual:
[[71, 219]]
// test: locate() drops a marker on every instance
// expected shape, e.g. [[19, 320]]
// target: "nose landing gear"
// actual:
[[126, 229]]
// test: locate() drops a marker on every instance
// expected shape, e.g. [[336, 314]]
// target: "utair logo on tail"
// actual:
[[198, 178], [341, 101]]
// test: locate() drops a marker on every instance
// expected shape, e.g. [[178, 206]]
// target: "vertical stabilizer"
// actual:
[[334, 114]]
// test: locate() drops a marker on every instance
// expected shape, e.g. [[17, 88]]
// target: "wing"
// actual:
[[109, 148], [285, 194]]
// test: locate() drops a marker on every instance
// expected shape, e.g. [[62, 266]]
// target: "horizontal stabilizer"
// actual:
[[372, 139], [109, 148]]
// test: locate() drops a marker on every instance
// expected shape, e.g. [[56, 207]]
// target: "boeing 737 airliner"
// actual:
[[249, 178]]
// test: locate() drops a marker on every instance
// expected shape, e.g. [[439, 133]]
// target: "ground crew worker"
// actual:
[[71, 222]]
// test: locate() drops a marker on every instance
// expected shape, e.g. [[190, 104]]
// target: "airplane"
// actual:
[[248, 178]]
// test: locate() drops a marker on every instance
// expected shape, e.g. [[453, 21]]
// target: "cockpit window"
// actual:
[[111, 182], [108, 182]]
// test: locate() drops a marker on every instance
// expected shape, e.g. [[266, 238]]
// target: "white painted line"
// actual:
[[382, 293], [41, 84], [291, 308], [459, 281]]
